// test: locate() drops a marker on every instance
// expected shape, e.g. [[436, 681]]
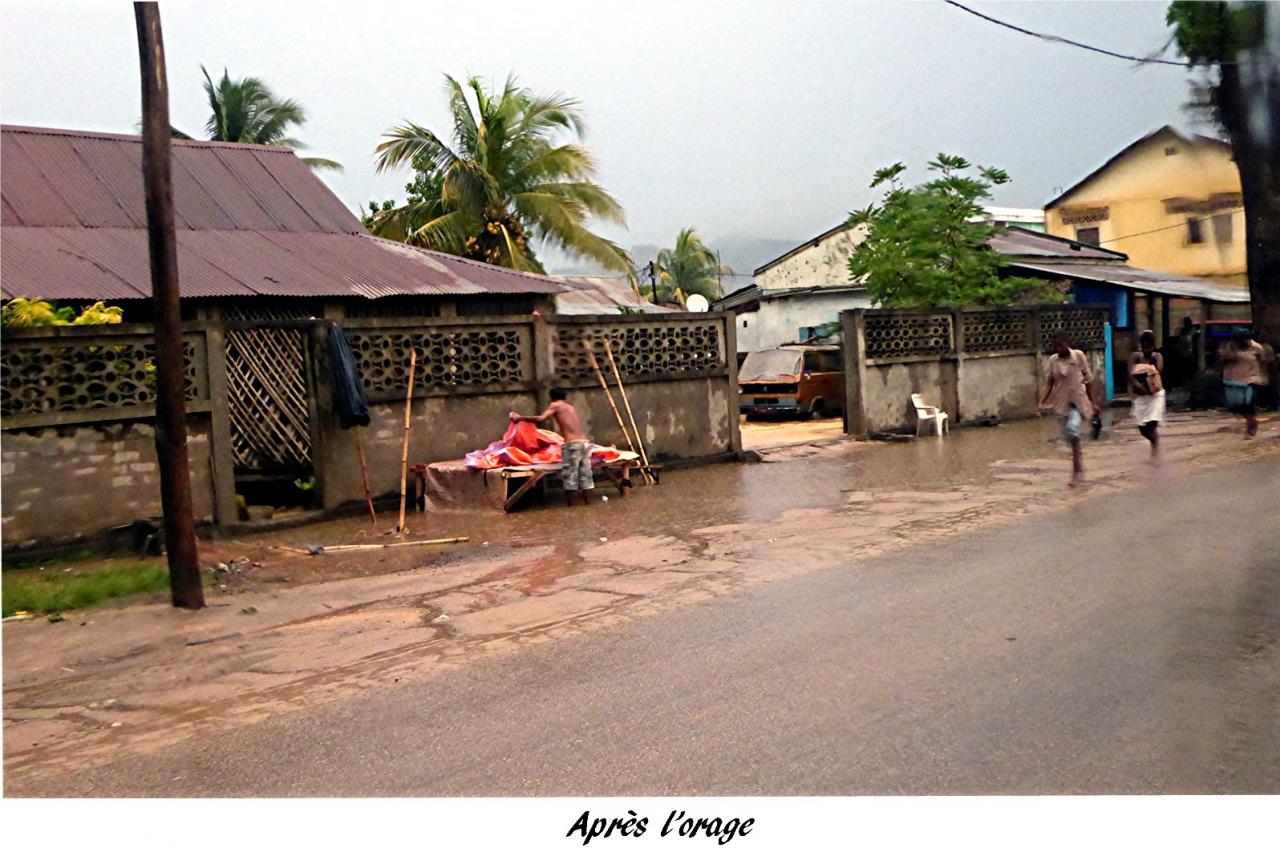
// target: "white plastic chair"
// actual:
[[932, 414]]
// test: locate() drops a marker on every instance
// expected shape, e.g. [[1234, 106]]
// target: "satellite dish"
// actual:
[[696, 303]]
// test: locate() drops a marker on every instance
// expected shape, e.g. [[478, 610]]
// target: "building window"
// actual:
[[1195, 233], [1171, 151], [1222, 228], [1088, 235]]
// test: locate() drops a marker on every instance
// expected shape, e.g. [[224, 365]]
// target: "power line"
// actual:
[[1145, 60], [1160, 229]]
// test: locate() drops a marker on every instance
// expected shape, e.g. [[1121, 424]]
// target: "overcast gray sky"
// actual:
[[743, 119]]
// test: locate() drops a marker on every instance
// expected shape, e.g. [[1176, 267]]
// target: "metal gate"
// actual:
[[267, 399]]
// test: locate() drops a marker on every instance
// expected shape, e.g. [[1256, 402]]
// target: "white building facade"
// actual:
[[799, 295]]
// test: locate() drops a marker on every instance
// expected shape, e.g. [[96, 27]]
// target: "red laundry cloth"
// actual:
[[525, 444]]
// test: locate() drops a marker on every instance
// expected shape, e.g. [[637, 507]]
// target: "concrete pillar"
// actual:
[[852, 326], [544, 360], [728, 327], [957, 340], [221, 457]]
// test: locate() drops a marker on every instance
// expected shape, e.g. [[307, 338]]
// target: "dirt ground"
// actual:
[[762, 435], [285, 630]]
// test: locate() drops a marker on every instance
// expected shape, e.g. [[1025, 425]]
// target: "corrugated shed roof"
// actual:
[[600, 296], [250, 220], [1141, 279], [1015, 241]]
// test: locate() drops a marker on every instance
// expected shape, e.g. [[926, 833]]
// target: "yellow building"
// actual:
[[1170, 201]]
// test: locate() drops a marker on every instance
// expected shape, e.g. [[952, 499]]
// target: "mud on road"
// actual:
[[123, 681]]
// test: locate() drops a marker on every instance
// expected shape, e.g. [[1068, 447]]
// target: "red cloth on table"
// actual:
[[526, 444]]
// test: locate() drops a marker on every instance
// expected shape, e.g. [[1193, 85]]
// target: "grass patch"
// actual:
[[19, 561], [54, 591]]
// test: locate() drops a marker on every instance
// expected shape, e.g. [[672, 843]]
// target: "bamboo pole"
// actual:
[[622, 390], [316, 550], [591, 355], [364, 475], [404, 453]]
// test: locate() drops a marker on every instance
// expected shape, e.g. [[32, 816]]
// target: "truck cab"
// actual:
[[792, 380]]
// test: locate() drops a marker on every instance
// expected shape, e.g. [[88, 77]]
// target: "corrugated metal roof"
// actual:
[[1141, 279], [600, 296], [80, 263], [250, 220], [1015, 241]]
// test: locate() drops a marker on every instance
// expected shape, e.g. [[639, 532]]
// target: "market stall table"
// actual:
[[452, 485]]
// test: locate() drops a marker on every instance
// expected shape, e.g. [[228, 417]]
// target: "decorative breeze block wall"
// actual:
[[899, 335], [674, 349], [69, 374], [494, 358]]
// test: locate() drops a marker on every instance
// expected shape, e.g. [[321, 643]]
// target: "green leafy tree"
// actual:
[[690, 267], [1238, 81], [505, 179], [248, 112], [37, 312], [927, 245]]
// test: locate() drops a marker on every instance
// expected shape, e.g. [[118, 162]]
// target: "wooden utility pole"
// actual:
[[171, 407]]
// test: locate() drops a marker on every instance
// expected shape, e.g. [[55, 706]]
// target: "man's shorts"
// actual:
[[1239, 397], [576, 470]]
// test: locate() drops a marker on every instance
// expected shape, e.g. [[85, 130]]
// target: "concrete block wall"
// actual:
[[969, 386], [680, 417], [71, 482]]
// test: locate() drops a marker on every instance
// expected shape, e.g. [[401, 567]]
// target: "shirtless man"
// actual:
[[576, 453]]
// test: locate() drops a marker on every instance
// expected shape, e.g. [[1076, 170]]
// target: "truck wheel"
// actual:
[[817, 409]]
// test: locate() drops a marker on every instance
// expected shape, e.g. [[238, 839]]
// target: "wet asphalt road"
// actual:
[[1126, 644]]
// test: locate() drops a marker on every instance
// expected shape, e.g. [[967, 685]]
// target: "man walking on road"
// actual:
[[1070, 393], [1242, 365], [1146, 385]]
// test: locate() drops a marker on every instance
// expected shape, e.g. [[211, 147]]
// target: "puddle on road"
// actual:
[[693, 503], [727, 493]]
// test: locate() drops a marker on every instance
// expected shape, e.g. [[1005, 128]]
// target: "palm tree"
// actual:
[[689, 268], [246, 111], [502, 181]]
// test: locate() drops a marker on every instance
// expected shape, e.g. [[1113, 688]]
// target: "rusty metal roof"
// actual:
[[1140, 279], [601, 296], [250, 220], [1016, 241]]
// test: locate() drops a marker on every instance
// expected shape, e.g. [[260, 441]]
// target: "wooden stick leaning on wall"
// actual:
[[591, 355], [404, 453], [622, 390], [364, 475]]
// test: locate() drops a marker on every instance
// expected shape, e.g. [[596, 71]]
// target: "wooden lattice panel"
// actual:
[[992, 332], [495, 358], [895, 336], [683, 349], [73, 374], [1082, 326], [267, 399]]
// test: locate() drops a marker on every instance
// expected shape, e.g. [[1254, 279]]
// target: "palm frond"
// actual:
[[410, 143], [321, 163], [591, 197]]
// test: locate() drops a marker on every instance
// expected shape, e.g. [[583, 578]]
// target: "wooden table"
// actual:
[[618, 472]]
